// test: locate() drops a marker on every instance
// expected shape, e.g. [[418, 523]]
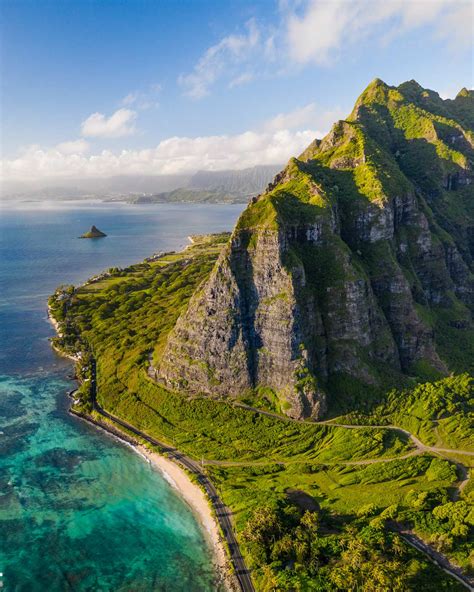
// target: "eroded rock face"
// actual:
[[326, 276], [271, 315], [244, 329]]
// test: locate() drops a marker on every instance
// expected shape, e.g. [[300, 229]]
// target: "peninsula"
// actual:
[[313, 370]]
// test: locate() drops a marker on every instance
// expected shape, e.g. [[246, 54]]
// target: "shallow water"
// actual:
[[78, 510]]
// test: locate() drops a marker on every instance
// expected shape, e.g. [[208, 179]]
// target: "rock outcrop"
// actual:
[[93, 233], [348, 268]]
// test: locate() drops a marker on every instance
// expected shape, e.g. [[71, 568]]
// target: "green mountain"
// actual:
[[352, 272], [346, 289]]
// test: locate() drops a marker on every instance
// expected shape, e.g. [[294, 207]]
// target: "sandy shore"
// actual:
[[54, 322], [192, 495], [197, 500], [181, 482]]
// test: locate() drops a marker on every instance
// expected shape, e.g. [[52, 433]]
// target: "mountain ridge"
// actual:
[[344, 273]]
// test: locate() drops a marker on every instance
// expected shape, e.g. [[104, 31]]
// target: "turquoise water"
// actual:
[[78, 510]]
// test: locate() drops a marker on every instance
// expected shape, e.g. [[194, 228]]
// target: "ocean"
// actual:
[[79, 510]]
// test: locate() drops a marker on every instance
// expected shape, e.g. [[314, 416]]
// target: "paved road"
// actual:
[[437, 558], [409, 537], [222, 512]]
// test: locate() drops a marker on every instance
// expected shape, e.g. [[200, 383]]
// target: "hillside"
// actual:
[[323, 498], [351, 273], [243, 182], [345, 290], [184, 195]]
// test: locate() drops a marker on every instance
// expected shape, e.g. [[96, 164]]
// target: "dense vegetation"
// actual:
[[322, 505], [315, 506], [297, 549]]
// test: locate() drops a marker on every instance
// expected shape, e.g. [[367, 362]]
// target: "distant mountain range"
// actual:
[[232, 186], [245, 182]]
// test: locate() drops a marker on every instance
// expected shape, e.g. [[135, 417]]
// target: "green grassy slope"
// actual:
[[317, 506], [264, 458]]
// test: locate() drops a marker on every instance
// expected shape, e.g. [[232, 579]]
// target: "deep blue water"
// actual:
[[78, 510]]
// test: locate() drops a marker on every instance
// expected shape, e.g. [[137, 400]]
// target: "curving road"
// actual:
[[221, 511], [422, 447], [437, 558]]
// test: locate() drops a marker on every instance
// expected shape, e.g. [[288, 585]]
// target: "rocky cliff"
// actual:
[[353, 268]]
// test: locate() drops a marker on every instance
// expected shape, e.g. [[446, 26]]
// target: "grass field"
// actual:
[[258, 462]]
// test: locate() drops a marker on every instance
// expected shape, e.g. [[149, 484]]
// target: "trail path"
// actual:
[[436, 557], [421, 447], [223, 514]]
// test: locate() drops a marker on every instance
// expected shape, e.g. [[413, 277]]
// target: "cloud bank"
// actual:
[[275, 141], [171, 156]]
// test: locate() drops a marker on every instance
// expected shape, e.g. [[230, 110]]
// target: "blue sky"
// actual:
[[95, 88]]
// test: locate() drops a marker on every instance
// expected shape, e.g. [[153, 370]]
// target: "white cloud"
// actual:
[[73, 147], [325, 27], [313, 35], [173, 155], [456, 28], [244, 78], [309, 116], [121, 123], [142, 100], [229, 53], [129, 99], [318, 32], [274, 142]]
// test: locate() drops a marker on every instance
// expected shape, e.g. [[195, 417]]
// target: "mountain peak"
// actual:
[[465, 93], [377, 83], [351, 272], [411, 85], [375, 90]]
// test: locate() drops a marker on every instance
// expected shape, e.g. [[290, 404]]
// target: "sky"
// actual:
[[95, 88]]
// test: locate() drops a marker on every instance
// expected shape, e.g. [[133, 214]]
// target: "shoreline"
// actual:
[[173, 474], [196, 499], [54, 322], [73, 358], [180, 482]]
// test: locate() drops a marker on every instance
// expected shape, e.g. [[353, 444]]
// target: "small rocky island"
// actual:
[[94, 232]]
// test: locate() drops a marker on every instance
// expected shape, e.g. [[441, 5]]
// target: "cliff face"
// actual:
[[355, 264]]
